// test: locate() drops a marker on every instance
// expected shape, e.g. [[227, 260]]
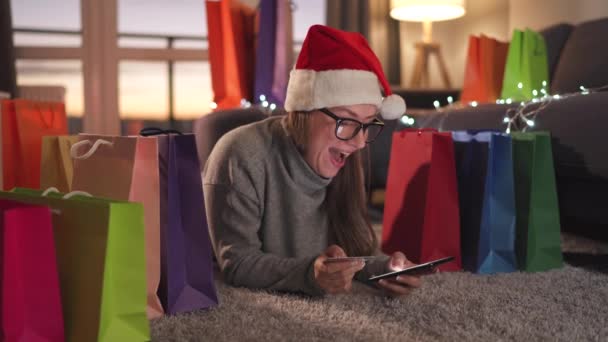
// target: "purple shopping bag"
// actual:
[[186, 281], [265, 51]]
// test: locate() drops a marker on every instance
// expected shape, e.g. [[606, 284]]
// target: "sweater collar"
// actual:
[[297, 166]]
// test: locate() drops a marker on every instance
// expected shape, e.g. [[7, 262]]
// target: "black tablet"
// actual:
[[427, 267]]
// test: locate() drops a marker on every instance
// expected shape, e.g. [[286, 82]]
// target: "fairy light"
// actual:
[[264, 104], [273, 106], [436, 104], [474, 104], [534, 92], [520, 85], [544, 83], [450, 99], [213, 105], [262, 98], [509, 101], [523, 116]]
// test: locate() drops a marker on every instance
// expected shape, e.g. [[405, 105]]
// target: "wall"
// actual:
[[490, 17]]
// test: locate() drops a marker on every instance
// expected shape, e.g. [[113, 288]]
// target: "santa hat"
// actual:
[[338, 68]]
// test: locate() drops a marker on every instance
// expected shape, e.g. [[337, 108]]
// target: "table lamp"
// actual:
[[427, 11]]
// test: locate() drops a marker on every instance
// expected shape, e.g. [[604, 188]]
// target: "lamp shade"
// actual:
[[427, 10]]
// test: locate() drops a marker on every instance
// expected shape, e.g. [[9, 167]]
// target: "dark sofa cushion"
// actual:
[[584, 59], [555, 38]]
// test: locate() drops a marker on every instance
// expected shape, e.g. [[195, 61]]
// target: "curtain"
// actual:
[[8, 76], [372, 19], [349, 15]]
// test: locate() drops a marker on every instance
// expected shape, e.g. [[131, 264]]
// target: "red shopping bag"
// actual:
[[231, 34], [24, 123], [31, 302], [486, 58], [421, 213]]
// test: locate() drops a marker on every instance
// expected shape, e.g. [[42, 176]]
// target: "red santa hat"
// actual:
[[338, 68]]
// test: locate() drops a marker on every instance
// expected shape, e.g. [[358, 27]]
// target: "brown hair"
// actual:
[[345, 201]]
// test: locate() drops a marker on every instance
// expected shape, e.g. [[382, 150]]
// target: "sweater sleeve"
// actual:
[[234, 219]]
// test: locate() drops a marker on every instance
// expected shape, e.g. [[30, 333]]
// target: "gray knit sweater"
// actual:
[[265, 211]]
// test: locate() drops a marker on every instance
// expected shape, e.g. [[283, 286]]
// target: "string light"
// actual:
[[474, 103], [408, 121], [262, 98], [450, 99], [525, 114], [509, 101], [520, 85], [273, 106], [213, 105], [436, 104]]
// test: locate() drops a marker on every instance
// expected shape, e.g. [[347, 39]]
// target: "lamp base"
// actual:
[[420, 78]]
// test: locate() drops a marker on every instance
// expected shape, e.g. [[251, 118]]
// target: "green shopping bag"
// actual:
[[101, 261], [526, 70], [537, 241]]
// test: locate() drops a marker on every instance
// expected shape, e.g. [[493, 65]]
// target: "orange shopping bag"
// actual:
[[231, 37], [125, 168], [486, 58], [24, 123]]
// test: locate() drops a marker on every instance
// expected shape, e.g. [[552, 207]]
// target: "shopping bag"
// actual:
[[125, 168], [526, 71], [31, 302], [34, 120], [487, 205], [11, 149], [101, 261], [284, 57], [421, 215], [231, 36], [484, 69], [265, 50], [186, 253], [538, 243], [56, 165]]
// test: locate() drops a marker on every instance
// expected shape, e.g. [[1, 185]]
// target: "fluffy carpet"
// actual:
[[568, 304]]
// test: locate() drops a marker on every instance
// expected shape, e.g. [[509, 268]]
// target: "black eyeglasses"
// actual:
[[347, 129]]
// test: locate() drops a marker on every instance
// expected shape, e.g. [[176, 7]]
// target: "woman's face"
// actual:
[[324, 152]]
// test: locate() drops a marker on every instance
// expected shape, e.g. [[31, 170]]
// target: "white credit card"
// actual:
[[343, 259]]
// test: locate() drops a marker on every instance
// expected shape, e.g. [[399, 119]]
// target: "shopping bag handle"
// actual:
[[417, 130], [149, 131], [74, 148], [68, 195]]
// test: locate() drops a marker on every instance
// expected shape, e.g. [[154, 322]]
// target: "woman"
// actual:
[[285, 194]]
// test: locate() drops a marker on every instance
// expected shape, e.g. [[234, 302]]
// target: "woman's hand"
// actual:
[[335, 277], [402, 284]]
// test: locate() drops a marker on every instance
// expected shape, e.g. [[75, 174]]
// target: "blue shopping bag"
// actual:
[[486, 190]]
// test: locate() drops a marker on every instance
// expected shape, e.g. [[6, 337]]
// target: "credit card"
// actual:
[[343, 259]]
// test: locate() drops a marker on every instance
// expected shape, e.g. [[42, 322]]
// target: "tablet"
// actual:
[[418, 269]]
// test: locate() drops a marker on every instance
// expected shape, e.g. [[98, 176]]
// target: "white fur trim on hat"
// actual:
[[393, 107], [309, 90]]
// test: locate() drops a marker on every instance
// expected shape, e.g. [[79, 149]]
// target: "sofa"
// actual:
[[577, 55]]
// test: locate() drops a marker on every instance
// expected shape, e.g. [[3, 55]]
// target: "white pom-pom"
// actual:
[[393, 107]]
